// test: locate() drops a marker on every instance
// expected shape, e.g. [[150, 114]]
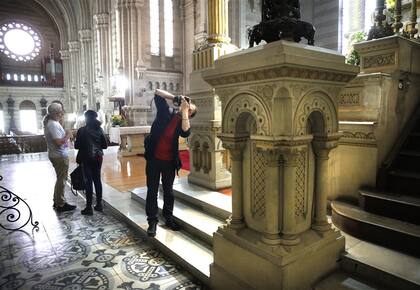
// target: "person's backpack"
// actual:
[[77, 180]]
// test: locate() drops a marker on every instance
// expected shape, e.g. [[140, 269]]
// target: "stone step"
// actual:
[[378, 229], [407, 160], [382, 266], [191, 253], [341, 280], [195, 222], [211, 202], [393, 205], [404, 181]]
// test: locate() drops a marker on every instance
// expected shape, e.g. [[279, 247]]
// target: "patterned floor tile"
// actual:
[[84, 278], [148, 265], [120, 238], [15, 279], [72, 251]]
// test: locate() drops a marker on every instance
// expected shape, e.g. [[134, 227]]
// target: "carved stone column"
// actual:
[[74, 49], [272, 198], [206, 125], [322, 150], [288, 232], [104, 52], [218, 21], [236, 220], [65, 57], [87, 59]]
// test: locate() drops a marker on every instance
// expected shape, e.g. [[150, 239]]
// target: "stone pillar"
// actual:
[[236, 220], [322, 150], [87, 59], [74, 49], [218, 21], [65, 57], [272, 201], [206, 124], [269, 96], [104, 54], [288, 233]]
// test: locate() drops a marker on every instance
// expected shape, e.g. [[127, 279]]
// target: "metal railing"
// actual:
[[22, 144]]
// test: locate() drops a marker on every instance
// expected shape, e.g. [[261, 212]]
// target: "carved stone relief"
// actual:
[[379, 60], [244, 103], [258, 164], [315, 102]]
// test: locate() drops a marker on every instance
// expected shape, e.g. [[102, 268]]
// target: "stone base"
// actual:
[[210, 184], [241, 261]]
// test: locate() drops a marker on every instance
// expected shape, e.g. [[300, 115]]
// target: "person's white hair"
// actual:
[[54, 108]]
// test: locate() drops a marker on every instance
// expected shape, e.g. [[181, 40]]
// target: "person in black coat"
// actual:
[[161, 153], [91, 141]]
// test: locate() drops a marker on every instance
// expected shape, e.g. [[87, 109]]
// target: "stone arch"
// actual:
[[242, 111], [320, 102], [27, 105]]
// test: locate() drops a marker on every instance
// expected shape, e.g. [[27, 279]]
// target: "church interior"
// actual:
[[302, 170]]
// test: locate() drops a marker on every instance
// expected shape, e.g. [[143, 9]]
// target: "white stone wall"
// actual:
[[20, 94]]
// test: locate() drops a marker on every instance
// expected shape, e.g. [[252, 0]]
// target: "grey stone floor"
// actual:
[[71, 251]]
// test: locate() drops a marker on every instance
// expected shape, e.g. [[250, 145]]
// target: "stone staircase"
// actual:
[[390, 215]]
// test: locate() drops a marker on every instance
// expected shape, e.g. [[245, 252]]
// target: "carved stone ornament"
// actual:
[[379, 60], [350, 98], [280, 72], [246, 104], [315, 102]]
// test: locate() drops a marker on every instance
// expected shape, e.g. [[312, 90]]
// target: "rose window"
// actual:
[[19, 41]]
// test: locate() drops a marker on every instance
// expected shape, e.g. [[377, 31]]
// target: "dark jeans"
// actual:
[[92, 172], [154, 169]]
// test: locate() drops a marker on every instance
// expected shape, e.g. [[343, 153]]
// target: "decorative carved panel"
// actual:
[[379, 60], [300, 194], [259, 164]]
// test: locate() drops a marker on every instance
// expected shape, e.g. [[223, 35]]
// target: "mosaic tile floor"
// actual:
[[74, 252]]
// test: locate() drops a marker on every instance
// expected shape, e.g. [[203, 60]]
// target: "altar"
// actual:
[[131, 139]]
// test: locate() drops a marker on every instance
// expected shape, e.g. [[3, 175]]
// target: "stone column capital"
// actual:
[[324, 144], [289, 155], [65, 54], [85, 35], [74, 46], [101, 19]]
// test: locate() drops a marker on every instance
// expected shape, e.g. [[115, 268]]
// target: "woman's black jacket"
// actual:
[[90, 140]]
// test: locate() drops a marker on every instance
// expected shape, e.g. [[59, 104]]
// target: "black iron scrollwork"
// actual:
[[14, 210]]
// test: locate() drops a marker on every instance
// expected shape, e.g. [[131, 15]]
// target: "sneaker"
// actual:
[[65, 207], [99, 207], [170, 223], [151, 230], [87, 211]]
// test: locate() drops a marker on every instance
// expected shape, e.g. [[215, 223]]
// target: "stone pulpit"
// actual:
[[279, 123]]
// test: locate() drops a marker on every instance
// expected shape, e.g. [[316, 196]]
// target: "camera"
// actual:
[[178, 100]]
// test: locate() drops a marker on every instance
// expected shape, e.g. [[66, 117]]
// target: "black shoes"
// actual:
[[170, 223], [65, 207], [99, 207], [87, 211], [151, 230]]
